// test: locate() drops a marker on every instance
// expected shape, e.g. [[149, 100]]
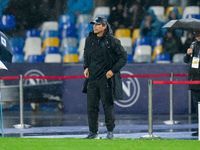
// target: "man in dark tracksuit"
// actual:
[[103, 57], [193, 58]]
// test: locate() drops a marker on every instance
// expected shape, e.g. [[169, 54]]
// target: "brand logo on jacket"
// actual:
[[131, 88], [34, 72]]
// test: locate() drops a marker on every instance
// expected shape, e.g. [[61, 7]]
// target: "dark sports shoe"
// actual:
[[195, 133], [110, 135], [92, 135]]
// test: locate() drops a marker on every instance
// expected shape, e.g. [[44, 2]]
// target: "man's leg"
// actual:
[[93, 98], [108, 104], [195, 100]]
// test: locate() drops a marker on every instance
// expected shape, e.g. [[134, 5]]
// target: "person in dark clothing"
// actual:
[[189, 39], [134, 16], [104, 56], [116, 18], [192, 58], [150, 26], [171, 43]]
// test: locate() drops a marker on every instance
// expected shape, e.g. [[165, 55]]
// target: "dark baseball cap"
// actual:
[[99, 20], [197, 32]]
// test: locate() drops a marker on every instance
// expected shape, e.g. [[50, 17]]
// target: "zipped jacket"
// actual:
[[193, 73], [114, 53]]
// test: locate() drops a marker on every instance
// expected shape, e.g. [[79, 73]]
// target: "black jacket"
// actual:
[[114, 57], [114, 54], [193, 73]]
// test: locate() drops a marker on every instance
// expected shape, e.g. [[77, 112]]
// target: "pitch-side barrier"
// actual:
[[150, 109], [171, 75]]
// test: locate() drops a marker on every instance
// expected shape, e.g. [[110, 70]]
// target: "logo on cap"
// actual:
[[3, 41]]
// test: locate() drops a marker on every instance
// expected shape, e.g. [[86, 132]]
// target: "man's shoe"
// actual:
[[92, 135], [195, 133], [110, 135]]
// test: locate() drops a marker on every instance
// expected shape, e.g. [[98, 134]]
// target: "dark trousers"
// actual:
[[96, 91], [195, 99]]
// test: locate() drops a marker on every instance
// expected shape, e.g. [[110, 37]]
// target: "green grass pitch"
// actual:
[[102, 144]]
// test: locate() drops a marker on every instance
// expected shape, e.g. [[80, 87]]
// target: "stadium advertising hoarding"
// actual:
[[135, 89]]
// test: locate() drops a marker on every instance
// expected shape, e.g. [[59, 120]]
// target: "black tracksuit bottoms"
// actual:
[[100, 90], [195, 100]]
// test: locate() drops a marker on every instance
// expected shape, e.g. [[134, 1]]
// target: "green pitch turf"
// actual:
[[102, 144]]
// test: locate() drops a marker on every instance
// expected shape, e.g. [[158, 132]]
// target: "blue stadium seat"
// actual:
[[52, 58], [7, 22], [35, 58], [17, 50], [68, 30], [157, 42], [196, 16], [141, 41], [18, 58], [32, 33], [130, 58], [142, 54], [17, 42], [66, 18], [51, 50], [69, 50], [162, 58], [83, 30], [178, 58], [49, 33]]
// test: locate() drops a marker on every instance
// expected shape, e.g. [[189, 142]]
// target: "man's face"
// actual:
[[98, 28], [197, 35], [172, 15], [148, 18]]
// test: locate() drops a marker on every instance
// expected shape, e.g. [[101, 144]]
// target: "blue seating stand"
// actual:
[[7, 22], [32, 33], [141, 41], [83, 30], [2, 133], [35, 58], [69, 50]]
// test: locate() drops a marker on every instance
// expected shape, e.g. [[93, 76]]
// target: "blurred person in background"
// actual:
[[150, 26], [134, 16], [171, 43], [26, 12], [148, 3], [189, 39], [49, 10], [30, 14], [173, 15], [77, 7], [193, 58], [113, 3], [116, 18]]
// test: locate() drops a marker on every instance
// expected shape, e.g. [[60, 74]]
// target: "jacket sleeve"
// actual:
[[186, 58], [120, 55], [86, 55]]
